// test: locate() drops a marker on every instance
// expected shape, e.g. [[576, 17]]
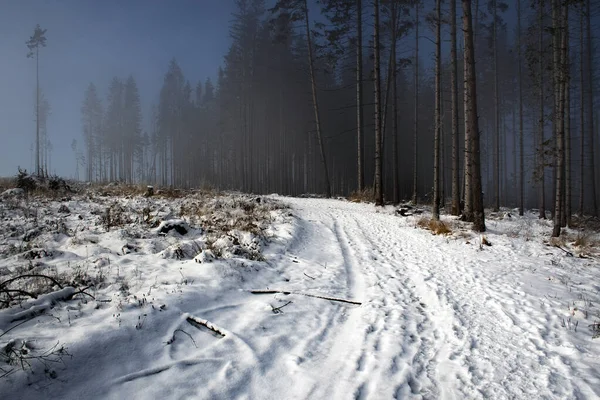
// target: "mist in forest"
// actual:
[[293, 97]]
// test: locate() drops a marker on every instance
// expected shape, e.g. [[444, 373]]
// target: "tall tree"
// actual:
[[35, 42], [454, 110], [541, 141], [591, 110], [560, 31], [378, 115], [360, 124], [581, 113], [438, 110], [521, 146], [473, 201], [91, 118], [416, 109]]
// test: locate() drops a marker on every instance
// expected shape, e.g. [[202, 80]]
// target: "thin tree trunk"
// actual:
[[359, 97], [454, 84], [496, 112], [521, 158], [471, 121], [581, 116], [559, 67], [315, 101], [438, 120], [568, 171], [396, 184], [37, 111], [378, 132], [416, 122], [591, 109], [542, 166]]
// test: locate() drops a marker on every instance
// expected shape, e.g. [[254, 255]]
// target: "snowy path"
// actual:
[[440, 319]]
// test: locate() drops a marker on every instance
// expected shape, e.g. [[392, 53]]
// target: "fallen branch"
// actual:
[[268, 291], [6, 282], [182, 331], [198, 322], [309, 276], [569, 254], [277, 310]]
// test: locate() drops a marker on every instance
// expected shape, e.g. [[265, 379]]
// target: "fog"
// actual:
[[204, 93]]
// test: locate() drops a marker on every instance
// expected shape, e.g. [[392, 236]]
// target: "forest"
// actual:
[[440, 102]]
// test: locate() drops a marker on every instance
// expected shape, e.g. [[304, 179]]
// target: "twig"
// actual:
[[309, 276], [277, 310], [82, 291], [181, 330], [6, 282], [569, 254], [198, 322], [259, 291]]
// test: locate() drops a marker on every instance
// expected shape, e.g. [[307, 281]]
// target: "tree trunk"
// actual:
[[559, 25], [542, 161], [438, 117], [378, 133], [454, 84], [416, 122], [581, 116], [471, 122], [359, 97], [520, 77], [315, 101], [590, 85], [396, 183], [496, 112]]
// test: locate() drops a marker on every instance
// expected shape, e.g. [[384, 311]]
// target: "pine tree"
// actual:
[[35, 42]]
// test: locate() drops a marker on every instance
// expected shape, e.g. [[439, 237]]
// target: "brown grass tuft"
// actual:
[[436, 227], [363, 196]]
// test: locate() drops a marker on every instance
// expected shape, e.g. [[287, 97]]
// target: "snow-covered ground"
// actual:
[[440, 316]]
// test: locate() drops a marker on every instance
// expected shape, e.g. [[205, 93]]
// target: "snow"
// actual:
[[439, 316]]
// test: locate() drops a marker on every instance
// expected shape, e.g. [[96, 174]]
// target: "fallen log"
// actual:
[[199, 322]]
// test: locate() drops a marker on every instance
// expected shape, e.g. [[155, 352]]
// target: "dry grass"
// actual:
[[436, 227], [363, 196]]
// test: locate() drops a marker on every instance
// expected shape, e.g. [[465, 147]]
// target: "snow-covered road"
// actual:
[[440, 318]]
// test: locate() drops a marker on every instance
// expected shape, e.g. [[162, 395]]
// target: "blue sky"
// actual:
[[92, 41]]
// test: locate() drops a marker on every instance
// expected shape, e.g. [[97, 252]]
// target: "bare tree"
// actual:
[[37, 40]]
